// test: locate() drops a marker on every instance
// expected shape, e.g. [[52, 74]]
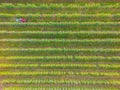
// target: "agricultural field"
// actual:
[[64, 45]]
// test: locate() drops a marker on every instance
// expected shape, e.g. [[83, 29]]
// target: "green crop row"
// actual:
[[60, 6], [61, 40], [62, 81], [60, 43], [61, 1], [58, 73], [69, 58], [60, 15], [23, 27], [54, 11], [18, 65], [59, 34], [58, 51], [36, 53], [67, 43], [108, 66], [63, 49], [55, 88], [68, 65], [61, 24]]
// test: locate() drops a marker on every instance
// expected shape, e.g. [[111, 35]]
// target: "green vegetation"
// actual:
[[61, 17], [56, 88], [61, 5], [64, 45], [47, 81]]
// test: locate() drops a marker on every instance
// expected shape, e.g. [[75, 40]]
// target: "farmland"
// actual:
[[64, 45]]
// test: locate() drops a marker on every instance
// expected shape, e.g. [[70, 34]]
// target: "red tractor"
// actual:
[[23, 20]]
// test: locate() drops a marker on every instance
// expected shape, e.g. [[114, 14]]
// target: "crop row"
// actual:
[[48, 53], [67, 43], [62, 81], [61, 40], [55, 88], [60, 6], [97, 23], [59, 34], [58, 51], [58, 73], [63, 49], [18, 65], [54, 11], [60, 15], [81, 65], [61, 1], [23, 27], [61, 58], [104, 66]]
